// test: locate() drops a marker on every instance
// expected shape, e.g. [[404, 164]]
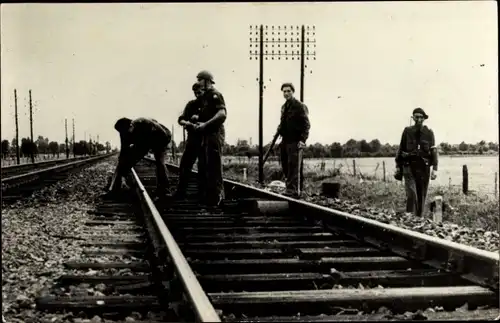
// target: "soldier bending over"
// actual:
[[137, 138]]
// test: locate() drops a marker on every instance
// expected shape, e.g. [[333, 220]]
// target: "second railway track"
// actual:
[[9, 171], [22, 180]]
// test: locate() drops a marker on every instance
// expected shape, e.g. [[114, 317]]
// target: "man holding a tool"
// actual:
[[417, 153], [137, 138], [211, 128], [294, 131], [193, 143]]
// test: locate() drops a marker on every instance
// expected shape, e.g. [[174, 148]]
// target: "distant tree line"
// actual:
[[43, 146], [362, 148]]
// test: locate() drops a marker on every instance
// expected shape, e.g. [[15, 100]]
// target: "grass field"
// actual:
[[481, 169], [476, 210]]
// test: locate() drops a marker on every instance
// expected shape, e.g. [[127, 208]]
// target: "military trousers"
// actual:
[[129, 157], [210, 168], [416, 178], [289, 153], [191, 153]]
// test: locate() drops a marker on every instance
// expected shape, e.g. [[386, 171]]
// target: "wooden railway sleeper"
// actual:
[[419, 251]]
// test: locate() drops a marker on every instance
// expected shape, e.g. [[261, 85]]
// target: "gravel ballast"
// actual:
[[37, 237]]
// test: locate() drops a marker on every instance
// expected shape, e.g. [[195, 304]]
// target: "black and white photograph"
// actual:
[[250, 161]]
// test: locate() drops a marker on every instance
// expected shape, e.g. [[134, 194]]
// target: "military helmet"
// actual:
[[205, 75]]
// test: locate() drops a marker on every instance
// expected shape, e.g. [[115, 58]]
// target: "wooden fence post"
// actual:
[[438, 210], [354, 166], [465, 180], [383, 168]]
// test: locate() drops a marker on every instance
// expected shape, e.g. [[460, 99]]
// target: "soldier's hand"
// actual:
[[195, 118], [301, 145], [434, 174], [188, 125], [398, 174], [200, 126]]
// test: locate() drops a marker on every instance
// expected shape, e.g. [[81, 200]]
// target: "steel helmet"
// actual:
[[205, 75]]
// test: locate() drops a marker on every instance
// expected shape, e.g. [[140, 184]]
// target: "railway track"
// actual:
[[22, 180], [9, 171], [267, 258]]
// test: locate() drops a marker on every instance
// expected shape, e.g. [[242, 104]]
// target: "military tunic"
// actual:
[[147, 134], [192, 146], [415, 157], [210, 159], [294, 127]]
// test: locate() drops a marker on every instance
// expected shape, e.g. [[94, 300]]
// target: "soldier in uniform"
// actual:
[[138, 137], [294, 131], [416, 155], [193, 143], [211, 128]]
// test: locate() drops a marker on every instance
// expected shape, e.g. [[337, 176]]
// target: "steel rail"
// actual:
[[10, 171], [53, 168], [475, 265], [41, 163], [197, 297]]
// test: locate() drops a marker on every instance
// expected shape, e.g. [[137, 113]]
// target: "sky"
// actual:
[[375, 62]]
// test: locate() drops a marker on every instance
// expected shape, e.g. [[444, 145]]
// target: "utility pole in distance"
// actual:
[[67, 142], [31, 131], [18, 154], [279, 42]]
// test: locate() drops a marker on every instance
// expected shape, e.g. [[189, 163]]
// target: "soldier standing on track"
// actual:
[[193, 143], [294, 131], [211, 128], [137, 138], [417, 153]]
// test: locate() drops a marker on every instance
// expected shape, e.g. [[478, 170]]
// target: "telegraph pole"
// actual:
[[283, 42], [31, 131], [90, 144], [73, 137], [18, 155], [302, 37], [67, 143]]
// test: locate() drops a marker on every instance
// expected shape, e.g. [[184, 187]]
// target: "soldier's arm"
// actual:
[[402, 144], [221, 114], [184, 116], [304, 123], [434, 152]]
